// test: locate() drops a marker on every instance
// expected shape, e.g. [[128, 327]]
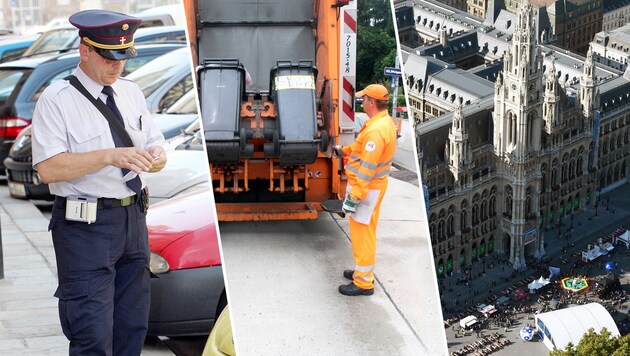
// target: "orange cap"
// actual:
[[374, 91]]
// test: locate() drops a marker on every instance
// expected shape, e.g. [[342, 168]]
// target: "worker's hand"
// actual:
[[131, 158], [337, 149], [159, 158], [350, 204]]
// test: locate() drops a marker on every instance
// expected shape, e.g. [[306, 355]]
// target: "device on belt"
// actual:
[[81, 208]]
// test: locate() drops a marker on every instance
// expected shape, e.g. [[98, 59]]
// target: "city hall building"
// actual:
[[513, 135]]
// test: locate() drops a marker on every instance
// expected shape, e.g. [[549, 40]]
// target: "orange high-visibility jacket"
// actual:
[[371, 155]]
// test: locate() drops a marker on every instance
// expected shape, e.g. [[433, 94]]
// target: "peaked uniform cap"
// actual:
[[374, 91], [109, 33]]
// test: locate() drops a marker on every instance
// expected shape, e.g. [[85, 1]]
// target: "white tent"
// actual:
[[558, 328], [624, 239], [468, 322], [538, 283]]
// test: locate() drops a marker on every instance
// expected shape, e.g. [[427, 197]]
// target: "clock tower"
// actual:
[[517, 128]]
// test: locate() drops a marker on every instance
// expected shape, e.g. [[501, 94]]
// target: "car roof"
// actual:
[[34, 61]]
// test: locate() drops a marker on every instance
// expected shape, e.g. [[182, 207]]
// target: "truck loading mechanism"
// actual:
[[276, 88]]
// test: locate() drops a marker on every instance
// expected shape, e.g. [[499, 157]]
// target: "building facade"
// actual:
[[616, 14], [612, 48]]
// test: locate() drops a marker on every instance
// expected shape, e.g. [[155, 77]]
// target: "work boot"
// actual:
[[348, 274], [352, 290]]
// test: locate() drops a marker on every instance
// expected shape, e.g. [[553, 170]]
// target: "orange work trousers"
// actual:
[[363, 239]]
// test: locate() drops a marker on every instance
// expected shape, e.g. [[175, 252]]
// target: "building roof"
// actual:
[[610, 5], [570, 324]]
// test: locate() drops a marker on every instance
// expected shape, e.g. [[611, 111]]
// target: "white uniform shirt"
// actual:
[[65, 121]]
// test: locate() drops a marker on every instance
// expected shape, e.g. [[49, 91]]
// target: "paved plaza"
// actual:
[[494, 277]]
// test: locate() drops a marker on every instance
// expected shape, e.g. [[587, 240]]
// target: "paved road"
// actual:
[[283, 279]]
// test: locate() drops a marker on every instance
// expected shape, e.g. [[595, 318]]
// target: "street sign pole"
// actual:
[[394, 72]]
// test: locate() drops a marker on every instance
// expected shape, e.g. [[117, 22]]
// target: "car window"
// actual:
[[187, 104], [54, 41], [177, 91], [152, 23], [12, 54], [46, 83], [136, 62], [152, 75], [9, 78]]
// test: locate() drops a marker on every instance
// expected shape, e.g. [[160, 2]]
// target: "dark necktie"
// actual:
[[134, 184]]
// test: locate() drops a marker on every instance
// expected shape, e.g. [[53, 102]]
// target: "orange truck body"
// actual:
[[260, 184]]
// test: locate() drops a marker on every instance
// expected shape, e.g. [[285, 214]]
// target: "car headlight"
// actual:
[[158, 264]]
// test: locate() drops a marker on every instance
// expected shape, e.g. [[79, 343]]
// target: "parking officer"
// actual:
[[98, 222], [370, 157]]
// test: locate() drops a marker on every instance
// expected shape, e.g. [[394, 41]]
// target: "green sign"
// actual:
[[462, 258], [482, 250], [561, 210], [490, 246], [569, 206], [449, 265], [576, 203], [440, 269], [474, 252]]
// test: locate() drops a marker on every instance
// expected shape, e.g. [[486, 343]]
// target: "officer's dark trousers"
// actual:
[[103, 273]]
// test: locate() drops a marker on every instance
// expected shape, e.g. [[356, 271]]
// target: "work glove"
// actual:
[[350, 204], [337, 150]]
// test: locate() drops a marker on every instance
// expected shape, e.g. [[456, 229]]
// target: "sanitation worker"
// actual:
[[92, 135], [370, 157]]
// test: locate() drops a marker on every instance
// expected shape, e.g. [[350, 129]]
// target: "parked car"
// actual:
[[186, 170], [165, 79], [165, 15], [13, 47], [189, 293], [66, 38], [21, 84]]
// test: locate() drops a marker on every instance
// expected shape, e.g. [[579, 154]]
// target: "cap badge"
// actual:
[[122, 40], [125, 27]]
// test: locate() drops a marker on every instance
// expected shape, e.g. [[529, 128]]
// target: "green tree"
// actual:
[[376, 42], [594, 344]]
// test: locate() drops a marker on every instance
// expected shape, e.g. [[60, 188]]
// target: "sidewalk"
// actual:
[[29, 322]]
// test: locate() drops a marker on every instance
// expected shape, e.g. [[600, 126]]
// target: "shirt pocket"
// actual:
[[137, 132], [87, 138]]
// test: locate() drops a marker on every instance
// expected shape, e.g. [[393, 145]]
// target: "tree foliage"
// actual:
[[376, 47], [594, 344]]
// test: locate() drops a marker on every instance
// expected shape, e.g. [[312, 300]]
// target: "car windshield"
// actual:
[[56, 40], [9, 78], [187, 104], [152, 75]]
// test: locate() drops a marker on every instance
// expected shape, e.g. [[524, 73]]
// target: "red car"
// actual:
[[189, 293]]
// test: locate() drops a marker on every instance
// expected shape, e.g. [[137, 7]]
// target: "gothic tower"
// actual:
[[517, 137], [459, 152]]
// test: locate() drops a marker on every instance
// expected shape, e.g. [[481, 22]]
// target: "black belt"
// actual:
[[104, 203]]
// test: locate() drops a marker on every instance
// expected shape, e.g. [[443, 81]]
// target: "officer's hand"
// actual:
[[159, 158], [133, 159], [350, 204], [337, 149]]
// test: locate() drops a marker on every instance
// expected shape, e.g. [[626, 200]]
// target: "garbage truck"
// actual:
[[276, 84]]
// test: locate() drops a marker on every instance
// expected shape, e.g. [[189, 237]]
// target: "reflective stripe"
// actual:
[[366, 278], [360, 175], [381, 174], [364, 269], [365, 164], [384, 163]]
